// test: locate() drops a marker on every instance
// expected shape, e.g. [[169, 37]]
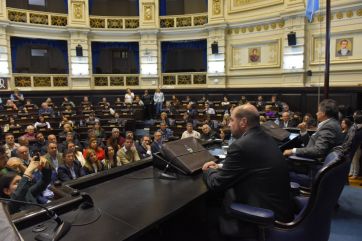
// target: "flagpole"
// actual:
[[327, 50]]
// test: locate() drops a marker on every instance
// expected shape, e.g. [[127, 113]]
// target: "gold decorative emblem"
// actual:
[[216, 7], [78, 10], [148, 13]]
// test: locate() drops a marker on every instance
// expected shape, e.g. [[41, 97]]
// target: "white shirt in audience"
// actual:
[[194, 133], [128, 98]]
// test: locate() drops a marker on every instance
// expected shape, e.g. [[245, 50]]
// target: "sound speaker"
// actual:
[[309, 73], [79, 51], [186, 154], [292, 39], [215, 48]]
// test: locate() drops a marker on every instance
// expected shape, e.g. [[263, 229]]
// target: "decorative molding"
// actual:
[[236, 6], [184, 79], [258, 28], [182, 21]]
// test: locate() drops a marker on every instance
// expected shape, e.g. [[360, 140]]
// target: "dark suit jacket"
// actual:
[[254, 177], [322, 141], [291, 124], [142, 152], [64, 173]]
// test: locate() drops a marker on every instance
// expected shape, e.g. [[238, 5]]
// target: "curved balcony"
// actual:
[[37, 17], [112, 22], [184, 79], [115, 80], [181, 21], [40, 80]]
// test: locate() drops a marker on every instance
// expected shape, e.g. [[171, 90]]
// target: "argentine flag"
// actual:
[[312, 7]]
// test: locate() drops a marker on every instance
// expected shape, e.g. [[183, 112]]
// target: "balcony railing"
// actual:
[[111, 22], [40, 80], [36, 17], [180, 21], [184, 79], [115, 80]]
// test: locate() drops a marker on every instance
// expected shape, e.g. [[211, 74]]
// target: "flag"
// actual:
[[312, 7]]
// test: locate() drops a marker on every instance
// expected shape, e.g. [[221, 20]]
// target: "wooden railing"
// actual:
[[37, 17], [184, 79], [115, 80], [40, 80], [114, 22], [180, 21]]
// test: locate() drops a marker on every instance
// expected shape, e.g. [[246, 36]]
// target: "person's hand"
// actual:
[[148, 147], [43, 162], [208, 165], [288, 152], [303, 127], [31, 168]]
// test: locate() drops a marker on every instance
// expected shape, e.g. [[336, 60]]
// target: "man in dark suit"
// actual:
[[327, 136], [144, 148], [71, 169], [254, 172], [157, 142]]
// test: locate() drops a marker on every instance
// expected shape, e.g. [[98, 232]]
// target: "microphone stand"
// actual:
[[59, 231]]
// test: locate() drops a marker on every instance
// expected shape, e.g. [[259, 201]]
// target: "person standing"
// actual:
[[147, 101], [158, 99], [128, 97]]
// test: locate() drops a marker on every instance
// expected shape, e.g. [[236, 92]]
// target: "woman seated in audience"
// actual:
[[30, 134], [117, 120], [42, 124], [66, 129], [137, 101], [345, 125], [164, 118], [66, 120], [86, 102], [225, 135], [91, 120], [225, 120], [225, 102], [103, 102], [71, 169], [22, 188], [94, 147], [11, 124], [92, 163], [243, 100], [111, 158], [99, 131], [262, 119], [10, 105], [310, 121], [175, 102]]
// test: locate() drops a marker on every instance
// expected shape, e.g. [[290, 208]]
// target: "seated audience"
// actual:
[[356, 146], [110, 159], [22, 188], [66, 129], [40, 144], [309, 121], [225, 102], [10, 144], [11, 125], [208, 110], [71, 169], [285, 121], [99, 131], [42, 124], [269, 113], [65, 120], [91, 120], [103, 101], [207, 133], [10, 105], [77, 153], [92, 164], [225, 136], [46, 110], [190, 132], [166, 132], [243, 100], [66, 102], [69, 137], [54, 158], [137, 101], [165, 119], [17, 97], [94, 147], [30, 133], [22, 152], [260, 104], [345, 125], [128, 153], [157, 142], [29, 105], [144, 147]]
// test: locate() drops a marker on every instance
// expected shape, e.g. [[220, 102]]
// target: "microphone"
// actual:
[[59, 231]]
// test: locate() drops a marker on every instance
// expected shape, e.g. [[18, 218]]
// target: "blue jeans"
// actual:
[[158, 106]]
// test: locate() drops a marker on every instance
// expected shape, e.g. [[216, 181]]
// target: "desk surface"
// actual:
[[130, 204]]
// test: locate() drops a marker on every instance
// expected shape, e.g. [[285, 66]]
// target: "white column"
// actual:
[[216, 62], [149, 66]]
